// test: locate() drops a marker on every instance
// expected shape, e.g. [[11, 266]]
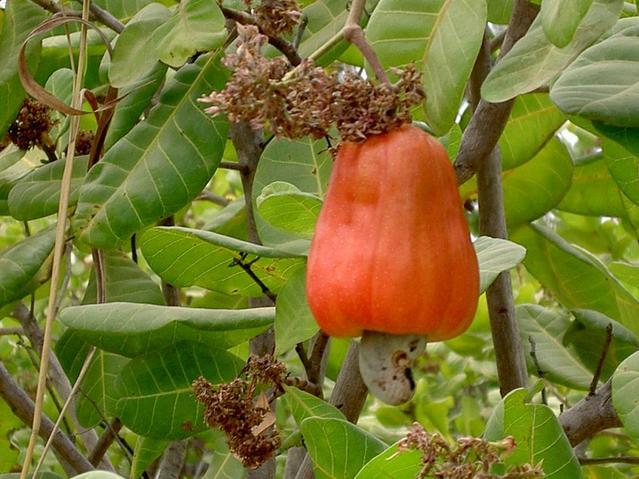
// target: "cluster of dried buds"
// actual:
[[276, 17], [309, 100], [467, 458], [31, 126], [247, 421]]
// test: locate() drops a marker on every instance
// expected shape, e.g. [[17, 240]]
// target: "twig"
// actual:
[[301, 353], [172, 461], [300, 32], [489, 119], [58, 249], [602, 360], [585, 461], [107, 438], [230, 165], [247, 269], [11, 332], [23, 407], [97, 13], [213, 198], [592, 414], [288, 49], [540, 372], [314, 372]]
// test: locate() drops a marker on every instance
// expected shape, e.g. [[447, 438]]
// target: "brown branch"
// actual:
[[230, 165], [288, 49], [173, 461], [11, 332], [489, 119], [97, 13], [592, 414], [540, 372], [602, 359], [585, 461], [213, 198], [23, 407], [105, 441]]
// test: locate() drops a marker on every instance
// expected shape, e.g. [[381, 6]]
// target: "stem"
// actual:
[[110, 434], [602, 359]]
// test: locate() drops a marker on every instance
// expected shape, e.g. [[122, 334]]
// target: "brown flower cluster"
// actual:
[[276, 17], [31, 126], [309, 100], [248, 423], [468, 458], [83, 142]]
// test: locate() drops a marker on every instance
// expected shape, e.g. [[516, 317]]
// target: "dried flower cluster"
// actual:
[[309, 100], [83, 142], [276, 17], [247, 423], [31, 126], [468, 458]]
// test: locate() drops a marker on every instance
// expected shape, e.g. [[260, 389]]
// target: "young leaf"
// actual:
[[145, 452], [154, 390], [284, 206], [304, 405], [444, 36], [393, 463], [494, 256]]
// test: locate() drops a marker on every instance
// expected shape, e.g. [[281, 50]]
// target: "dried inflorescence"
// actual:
[[248, 425], [309, 100], [83, 142], [276, 17], [468, 458], [31, 126]]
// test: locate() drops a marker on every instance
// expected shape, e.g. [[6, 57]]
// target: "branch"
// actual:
[[489, 119], [602, 360], [173, 461], [213, 198], [105, 441], [592, 414], [97, 13], [584, 461], [11, 332], [23, 407]]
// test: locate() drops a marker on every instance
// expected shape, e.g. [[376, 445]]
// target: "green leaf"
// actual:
[[338, 448], [196, 26], [534, 60], [21, 264], [548, 330], [304, 405], [98, 475], [15, 164], [560, 19], [132, 329], [130, 108], [155, 395], [146, 451], [189, 257], [60, 84], [587, 335], [533, 121], [537, 186], [444, 36], [224, 464], [499, 11], [494, 256], [306, 164], [285, 207], [160, 166], [602, 83], [393, 463], [136, 51], [294, 322], [622, 166], [21, 16], [593, 192], [123, 9], [37, 194], [576, 278], [625, 390], [539, 437]]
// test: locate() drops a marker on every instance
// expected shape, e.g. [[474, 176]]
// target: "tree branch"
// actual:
[[23, 407], [592, 414], [488, 121], [97, 13]]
